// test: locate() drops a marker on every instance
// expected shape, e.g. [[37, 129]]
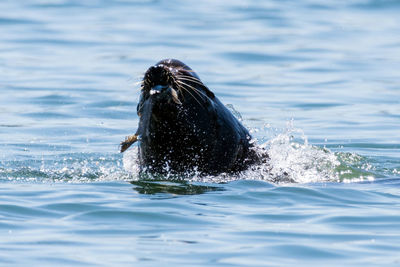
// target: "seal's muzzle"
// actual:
[[158, 89]]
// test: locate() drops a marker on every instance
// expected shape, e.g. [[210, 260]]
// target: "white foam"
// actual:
[[291, 160]]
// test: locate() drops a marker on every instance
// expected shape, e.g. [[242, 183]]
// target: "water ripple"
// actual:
[[315, 82]]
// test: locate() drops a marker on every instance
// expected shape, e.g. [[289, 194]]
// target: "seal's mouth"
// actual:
[[158, 89], [166, 83], [160, 83], [160, 92]]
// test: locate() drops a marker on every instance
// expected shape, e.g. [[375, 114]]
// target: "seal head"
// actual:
[[183, 127]]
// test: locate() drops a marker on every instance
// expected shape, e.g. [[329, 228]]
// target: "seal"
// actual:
[[183, 126]]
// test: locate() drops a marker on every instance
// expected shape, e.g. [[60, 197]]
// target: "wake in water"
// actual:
[[65, 168], [292, 160]]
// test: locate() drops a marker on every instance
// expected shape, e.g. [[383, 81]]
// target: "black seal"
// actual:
[[183, 126]]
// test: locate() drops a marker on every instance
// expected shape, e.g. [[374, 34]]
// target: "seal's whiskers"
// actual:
[[189, 78], [199, 93], [181, 86], [175, 97], [205, 139]]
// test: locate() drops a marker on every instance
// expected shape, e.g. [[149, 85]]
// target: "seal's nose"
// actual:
[[157, 89]]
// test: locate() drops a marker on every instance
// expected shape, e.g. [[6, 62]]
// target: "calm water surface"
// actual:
[[317, 82]]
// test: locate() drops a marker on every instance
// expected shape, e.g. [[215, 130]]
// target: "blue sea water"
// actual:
[[316, 82]]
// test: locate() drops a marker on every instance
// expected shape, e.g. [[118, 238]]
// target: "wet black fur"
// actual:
[[200, 134]]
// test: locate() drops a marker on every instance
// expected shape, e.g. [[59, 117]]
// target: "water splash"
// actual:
[[234, 112], [291, 160], [69, 168], [294, 161]]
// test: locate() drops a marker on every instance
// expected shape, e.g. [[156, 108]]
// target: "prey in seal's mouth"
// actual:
[[166, 85], [183, 126], [160, 84]]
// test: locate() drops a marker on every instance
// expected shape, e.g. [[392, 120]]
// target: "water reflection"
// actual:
[[172, 187]]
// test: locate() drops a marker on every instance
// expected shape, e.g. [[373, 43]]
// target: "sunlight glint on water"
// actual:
[[316, 82]]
